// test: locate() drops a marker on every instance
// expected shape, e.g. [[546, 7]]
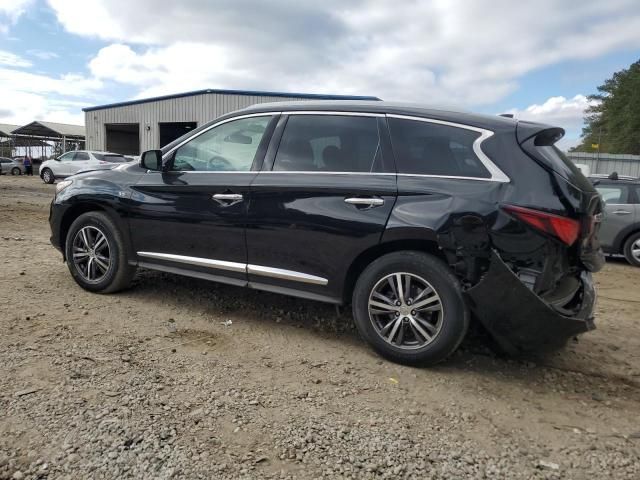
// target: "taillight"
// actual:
[[566, 229]]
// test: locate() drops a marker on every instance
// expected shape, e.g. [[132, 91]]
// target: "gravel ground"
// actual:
[[179, 378]]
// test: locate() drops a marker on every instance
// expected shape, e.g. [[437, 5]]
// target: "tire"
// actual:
[[426, 272], [47, 176], [118, 273], [15, 171], [632, 249]]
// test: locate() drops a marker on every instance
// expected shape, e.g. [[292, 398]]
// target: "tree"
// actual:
[[614, 121]]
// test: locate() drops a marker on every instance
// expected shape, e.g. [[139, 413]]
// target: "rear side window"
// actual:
[[110, 158], [424, 148], [329, 143], [614, 194]]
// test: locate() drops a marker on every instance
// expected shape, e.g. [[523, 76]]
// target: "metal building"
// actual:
[[138, 125]]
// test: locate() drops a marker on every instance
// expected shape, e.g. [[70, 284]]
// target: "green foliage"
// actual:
[[614, 122]]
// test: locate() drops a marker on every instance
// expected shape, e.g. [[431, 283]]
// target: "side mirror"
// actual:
[[151, 160]]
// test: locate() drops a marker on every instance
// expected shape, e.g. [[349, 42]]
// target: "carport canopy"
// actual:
[[51, 130]]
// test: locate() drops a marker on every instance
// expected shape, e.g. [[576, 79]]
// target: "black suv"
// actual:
[[421, 219]]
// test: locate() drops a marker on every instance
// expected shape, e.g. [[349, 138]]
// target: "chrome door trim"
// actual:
[[237, 267], [197, 261], [226, 120], [285, 274], [497, 175]]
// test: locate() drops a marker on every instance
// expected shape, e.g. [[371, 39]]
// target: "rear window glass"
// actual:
[[328, 143], [110, 158], [424, 148]]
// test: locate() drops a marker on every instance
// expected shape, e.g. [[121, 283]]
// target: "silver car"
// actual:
[[10, 166], [620, 230]]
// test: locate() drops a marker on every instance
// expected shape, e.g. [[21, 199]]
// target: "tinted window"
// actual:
[[81, 156], [110, 157], [231, 146], [329, 143], [613, 194], [432, 149]]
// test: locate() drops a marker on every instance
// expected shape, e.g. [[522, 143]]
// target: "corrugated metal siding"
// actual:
[[198, 108], [608, 163]]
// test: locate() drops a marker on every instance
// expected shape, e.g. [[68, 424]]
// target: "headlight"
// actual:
[[62, 185]]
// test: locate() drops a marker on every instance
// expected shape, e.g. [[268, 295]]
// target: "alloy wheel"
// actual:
[[635, 250], [91, 253], [405, 310], [46, 176]]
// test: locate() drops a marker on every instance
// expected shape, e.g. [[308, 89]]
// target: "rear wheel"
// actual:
[[96, 254], [47, 176], [409, 307], [632, 249], [15, 171]]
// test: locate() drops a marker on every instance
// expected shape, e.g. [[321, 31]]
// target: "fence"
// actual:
[[608, 162]]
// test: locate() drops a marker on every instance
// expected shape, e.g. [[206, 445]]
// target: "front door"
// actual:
[[193, 215], [81, 161], [63, 168], [322, 199]]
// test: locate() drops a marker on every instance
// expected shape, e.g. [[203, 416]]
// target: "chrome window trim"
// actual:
[[497, 175], [332, 112], [272, 272], [198, 261], [222, 122], [319, 172], [285, 274]]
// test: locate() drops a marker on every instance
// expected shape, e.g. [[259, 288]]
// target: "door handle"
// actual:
[[365, 201], [227, 199], [622, 212], [228, 196]]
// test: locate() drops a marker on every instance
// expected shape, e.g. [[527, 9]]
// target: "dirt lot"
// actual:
[[155, 383]]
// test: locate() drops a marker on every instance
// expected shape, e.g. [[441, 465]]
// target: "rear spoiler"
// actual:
[[544, 135]]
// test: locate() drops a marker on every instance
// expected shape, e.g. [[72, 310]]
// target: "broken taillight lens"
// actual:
[[566, 229]]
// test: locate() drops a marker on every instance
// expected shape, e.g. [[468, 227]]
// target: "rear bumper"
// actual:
[[520, 320]]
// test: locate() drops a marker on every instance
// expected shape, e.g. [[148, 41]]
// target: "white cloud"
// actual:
[[43, 54], [10, 11], [455, 52], [12, 60], [561, 111]]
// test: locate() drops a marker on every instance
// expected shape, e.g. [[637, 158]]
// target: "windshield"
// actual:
[[110, 157]]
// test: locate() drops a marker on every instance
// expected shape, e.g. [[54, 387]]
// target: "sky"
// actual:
[[536, 59]]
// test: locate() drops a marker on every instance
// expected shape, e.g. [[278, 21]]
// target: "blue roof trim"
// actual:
[[310, 96]]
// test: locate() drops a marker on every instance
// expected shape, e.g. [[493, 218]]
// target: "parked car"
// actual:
[[418, 218], [73, 162], [11, 166], [620, 231]]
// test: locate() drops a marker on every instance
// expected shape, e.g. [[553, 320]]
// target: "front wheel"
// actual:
[[15, 171], [408, 306], [632, 249], [96, 254], [47, 176]]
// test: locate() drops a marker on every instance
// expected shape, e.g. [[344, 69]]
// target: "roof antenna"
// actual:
[[613, 176]]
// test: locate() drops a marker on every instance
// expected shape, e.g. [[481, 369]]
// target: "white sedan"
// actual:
[[71, 163]]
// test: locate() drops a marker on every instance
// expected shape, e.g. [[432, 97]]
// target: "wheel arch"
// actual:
[[78, 209], [365, 258], [623, 236]]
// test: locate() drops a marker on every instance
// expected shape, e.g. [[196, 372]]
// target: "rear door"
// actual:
[[322, 199], [619, 213], [193, 216]]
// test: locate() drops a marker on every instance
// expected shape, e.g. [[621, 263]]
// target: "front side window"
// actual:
[[425, 148], [67, 157], [329, 143], [80, 156], [229, 147], [613, 194]]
